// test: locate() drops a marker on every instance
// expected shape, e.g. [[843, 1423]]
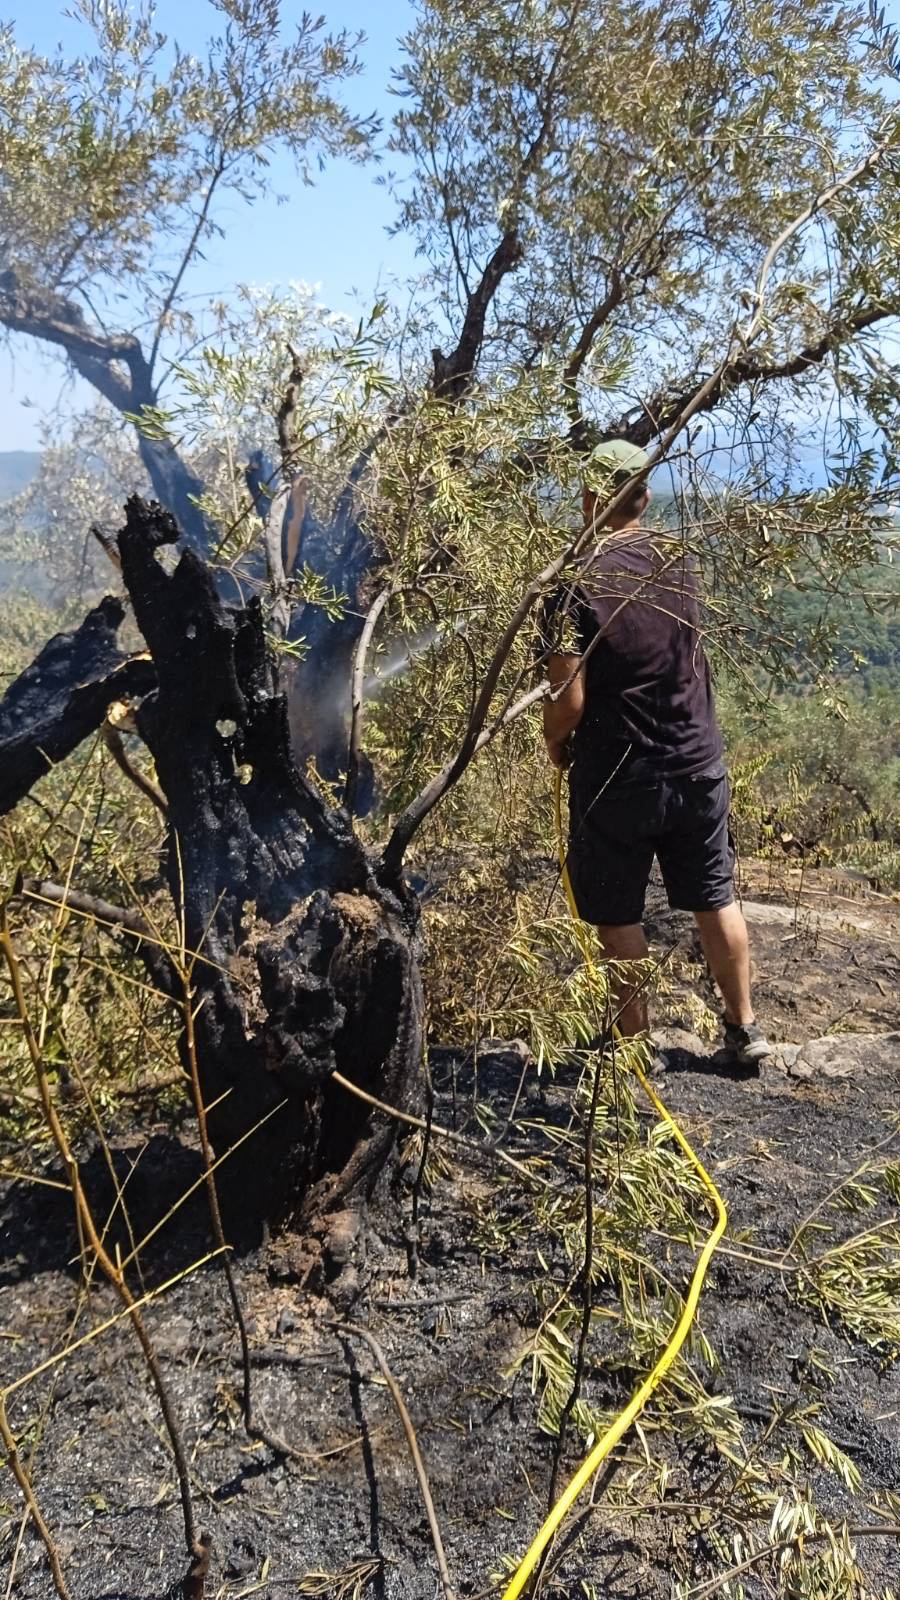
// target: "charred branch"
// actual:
[[63, 697]]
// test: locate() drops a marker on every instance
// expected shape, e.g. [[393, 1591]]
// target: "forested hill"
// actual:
[[17, 468]]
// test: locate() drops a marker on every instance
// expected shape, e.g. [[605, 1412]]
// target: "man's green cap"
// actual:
[[611, 464]]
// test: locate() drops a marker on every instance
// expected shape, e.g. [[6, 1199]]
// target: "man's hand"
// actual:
[[559, 752], [563, 707]]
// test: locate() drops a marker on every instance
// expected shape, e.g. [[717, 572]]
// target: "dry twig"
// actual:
[[419, 1465]]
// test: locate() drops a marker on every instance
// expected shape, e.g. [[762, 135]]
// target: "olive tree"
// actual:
[[672, 223], [112, 169]]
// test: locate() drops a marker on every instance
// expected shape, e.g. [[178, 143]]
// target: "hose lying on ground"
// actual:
[[625, 1418]]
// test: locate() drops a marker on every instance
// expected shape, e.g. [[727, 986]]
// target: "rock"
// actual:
[[803, 918], [845, 1055], [669, 1039], [784, 1058], [800, 1070]]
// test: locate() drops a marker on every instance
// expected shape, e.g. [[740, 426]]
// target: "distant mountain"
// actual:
[[17, 468]]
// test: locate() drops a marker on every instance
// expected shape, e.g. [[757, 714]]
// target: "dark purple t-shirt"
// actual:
[[649, 710]]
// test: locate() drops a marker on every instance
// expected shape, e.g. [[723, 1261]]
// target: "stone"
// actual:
[[845, 1055], [803, 918], [667, 1039], [784, 1058]]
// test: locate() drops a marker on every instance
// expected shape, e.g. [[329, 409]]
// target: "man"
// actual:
[[631, 707]]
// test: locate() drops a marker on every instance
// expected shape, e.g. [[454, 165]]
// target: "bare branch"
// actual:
[[187, 258], [112, 738], [657, 413], [452, 373], [20, 1473], [357, 694], [419, 1465], [103, 911], [599, 316], [110, 917], [744, 369]]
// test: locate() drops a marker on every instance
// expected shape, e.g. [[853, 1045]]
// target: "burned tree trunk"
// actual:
[[303, 959]]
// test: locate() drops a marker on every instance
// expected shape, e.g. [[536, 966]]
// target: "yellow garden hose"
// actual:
[[624, 1420]]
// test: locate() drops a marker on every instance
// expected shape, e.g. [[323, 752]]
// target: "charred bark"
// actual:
[[305, 961], [302, 957], [63, 697]]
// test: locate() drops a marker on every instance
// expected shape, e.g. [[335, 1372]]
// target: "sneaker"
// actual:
[[746, 1042]]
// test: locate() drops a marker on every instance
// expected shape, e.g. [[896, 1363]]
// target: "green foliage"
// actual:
[[106, 157], [103, 1030], [643, 156], [827, 784], [854, 1278]]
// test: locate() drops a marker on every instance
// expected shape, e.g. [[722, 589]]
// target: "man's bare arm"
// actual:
[[563, 706]]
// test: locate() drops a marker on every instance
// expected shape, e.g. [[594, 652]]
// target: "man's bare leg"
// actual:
[[626, 942], [723, 935]]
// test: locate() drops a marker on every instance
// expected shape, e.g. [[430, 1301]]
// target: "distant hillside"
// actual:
[[17, 468]]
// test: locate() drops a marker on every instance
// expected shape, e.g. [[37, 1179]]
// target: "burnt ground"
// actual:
[[350, 1514]]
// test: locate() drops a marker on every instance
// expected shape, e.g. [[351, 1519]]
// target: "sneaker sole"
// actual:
[[752, 1053]]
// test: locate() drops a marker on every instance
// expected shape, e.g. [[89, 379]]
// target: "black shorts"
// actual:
[[614, 836]]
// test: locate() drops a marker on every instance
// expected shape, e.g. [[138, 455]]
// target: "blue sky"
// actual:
[[334, 234]]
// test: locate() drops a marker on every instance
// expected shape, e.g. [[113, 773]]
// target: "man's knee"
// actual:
[[723, 929]]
